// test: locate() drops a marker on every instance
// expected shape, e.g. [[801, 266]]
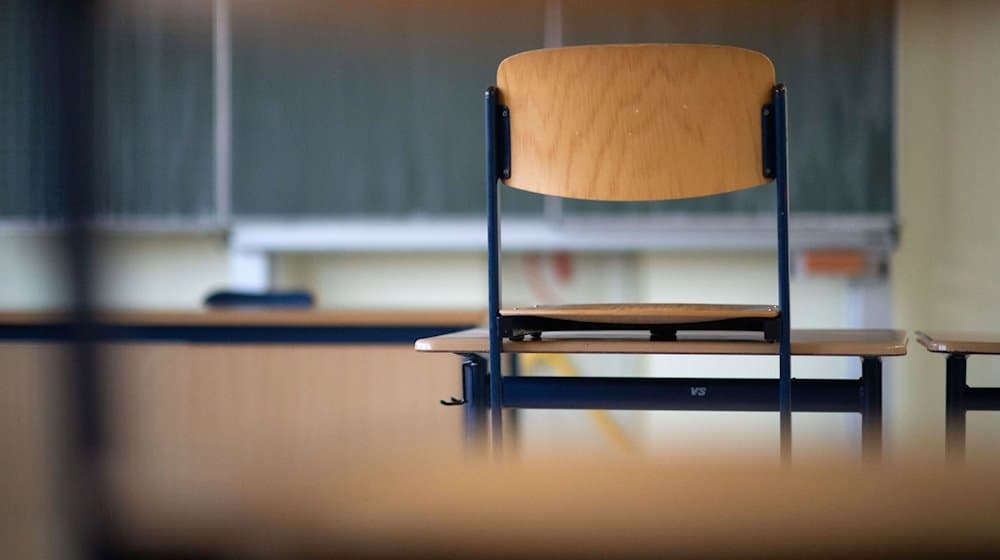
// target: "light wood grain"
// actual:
[[582, 508], [177, 407], [805, 342], [176, 403], [644, 313], [259, 317], [960, 342], [636, 122], [33, 404]]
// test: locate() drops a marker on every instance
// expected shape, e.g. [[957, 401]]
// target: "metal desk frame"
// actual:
[[862, 395], [960, 399]]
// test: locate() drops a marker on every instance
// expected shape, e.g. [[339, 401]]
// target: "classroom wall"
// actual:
[[132, 270], [946, 270], [32, 269]]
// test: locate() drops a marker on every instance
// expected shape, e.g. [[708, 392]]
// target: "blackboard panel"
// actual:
[[152, 81], [27, 165], [835, 58], [154, 93], [370, 108], [374, 108]]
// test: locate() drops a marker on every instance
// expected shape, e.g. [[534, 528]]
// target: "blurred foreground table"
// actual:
[[582, 508]]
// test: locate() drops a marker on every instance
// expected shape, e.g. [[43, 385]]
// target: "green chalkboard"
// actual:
[[154, 94], [370, 108], [374, 108], [26, 132], [152, 89]]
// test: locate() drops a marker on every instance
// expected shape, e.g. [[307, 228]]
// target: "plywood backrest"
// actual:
[[636, 122]]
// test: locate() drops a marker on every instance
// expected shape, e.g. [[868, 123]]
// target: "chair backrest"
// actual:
[[636, 122]]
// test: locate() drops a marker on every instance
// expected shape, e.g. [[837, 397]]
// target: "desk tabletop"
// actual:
[[256, 317], [960, 342], [805, 342]]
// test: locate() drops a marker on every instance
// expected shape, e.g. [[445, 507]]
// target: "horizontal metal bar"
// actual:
[[619, 393], [981, 398]]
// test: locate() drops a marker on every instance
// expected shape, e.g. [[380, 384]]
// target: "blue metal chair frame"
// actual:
[[661, 394]]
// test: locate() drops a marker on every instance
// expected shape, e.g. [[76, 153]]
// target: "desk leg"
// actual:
[[514, 415], [476, 401], [955, 409], [871, 410]]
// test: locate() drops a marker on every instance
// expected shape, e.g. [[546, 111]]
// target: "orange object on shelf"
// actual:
[[834, 262]]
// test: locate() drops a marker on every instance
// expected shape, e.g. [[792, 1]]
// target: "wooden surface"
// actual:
[[960, 342], [268, 317], [169, 405], [644, 313], [173, 403], [584, 508], [805, 342], [636, 122], [33, 405]]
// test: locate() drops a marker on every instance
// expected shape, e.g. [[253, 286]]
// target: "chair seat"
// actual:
[[644, 313]]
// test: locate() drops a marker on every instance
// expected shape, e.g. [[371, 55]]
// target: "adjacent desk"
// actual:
[[959, 397], [302, 365], [863, 395], [234, 387]]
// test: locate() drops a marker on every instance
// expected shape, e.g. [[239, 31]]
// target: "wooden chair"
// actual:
[[637, 123]]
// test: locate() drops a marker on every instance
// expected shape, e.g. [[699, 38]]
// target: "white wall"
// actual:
[[947, 269], [32, 275], [132, 271]]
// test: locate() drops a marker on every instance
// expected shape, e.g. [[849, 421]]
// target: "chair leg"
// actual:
[[871, 410], [785, 412], [496, 409], [513, 414]]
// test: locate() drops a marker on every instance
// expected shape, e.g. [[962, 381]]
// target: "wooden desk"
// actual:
[[178, 381], [959, 397], [226, 386], [863, 395], [960, 342]]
